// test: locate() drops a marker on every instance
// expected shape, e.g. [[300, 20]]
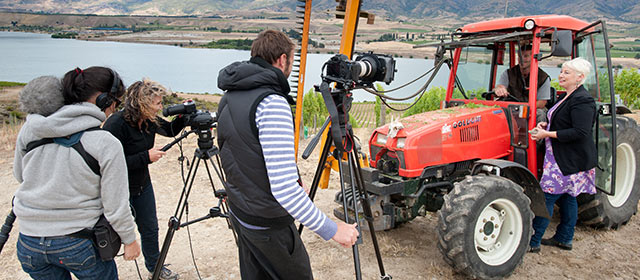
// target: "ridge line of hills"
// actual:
[[625, 11]]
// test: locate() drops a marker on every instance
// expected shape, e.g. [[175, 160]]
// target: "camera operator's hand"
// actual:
[[155, 154], [347, 234], [131, 251]]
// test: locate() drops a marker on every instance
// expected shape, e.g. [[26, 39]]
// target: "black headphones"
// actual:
[[105, 99]]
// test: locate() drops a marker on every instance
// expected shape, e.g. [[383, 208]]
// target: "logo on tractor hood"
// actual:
[[466, 122], [446, 128]]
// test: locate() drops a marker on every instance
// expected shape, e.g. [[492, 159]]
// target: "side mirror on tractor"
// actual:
[[561, 43]]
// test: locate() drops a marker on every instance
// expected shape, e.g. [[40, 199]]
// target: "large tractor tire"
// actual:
[[611, 211], [484, 226]]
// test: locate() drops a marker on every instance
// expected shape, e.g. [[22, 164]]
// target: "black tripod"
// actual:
[[205, 151], [338, 104]]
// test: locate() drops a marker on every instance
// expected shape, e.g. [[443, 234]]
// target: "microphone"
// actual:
[[42, 95]]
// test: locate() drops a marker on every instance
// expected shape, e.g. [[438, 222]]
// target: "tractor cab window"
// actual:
[[475, 69], [591, 47]]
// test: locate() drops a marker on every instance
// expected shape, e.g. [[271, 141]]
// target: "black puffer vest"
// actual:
[[518, 85], [248, 189]]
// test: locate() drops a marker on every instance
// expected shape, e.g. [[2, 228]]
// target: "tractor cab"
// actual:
[[524, 55]]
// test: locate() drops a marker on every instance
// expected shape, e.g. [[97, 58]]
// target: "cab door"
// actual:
[[592, 44]]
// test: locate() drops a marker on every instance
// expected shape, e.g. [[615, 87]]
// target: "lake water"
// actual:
[[25, 56]]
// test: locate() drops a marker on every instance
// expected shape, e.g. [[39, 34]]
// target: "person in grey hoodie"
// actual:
[[59, 194]]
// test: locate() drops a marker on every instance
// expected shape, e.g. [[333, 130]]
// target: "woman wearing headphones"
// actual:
[[136, 127], [60, 194]]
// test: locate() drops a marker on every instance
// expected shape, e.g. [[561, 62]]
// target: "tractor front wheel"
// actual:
[[484, 226]]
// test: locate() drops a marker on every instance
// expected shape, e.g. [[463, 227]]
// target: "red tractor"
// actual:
[[473, 161]]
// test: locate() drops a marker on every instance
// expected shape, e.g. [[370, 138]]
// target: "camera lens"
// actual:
[[366, 68], [371, 68], [173, 110]]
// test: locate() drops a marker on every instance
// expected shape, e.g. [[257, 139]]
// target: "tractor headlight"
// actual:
[[529, 24], [400, 143], [381, 139]]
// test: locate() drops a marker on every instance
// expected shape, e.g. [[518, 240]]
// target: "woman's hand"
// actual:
[[541, 125], [538, 133], [155, 154], [131, 251]]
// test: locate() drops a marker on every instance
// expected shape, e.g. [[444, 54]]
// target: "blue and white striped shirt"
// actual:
[[275, 133]]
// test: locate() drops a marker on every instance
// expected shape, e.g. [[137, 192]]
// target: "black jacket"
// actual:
[[573, 121], [246, 84], [137, 142]]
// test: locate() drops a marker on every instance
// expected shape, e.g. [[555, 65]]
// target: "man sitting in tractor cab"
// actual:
[[514, 82]]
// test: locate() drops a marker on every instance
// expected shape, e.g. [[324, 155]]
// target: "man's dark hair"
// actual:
[[79, 85], [526, 47], [270, 45]]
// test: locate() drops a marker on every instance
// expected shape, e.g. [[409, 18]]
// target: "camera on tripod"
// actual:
[[199, 121], [196, 119], [363, 72]]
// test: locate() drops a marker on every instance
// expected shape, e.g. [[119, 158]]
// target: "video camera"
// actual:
[[364, 71], [197, 119], [200, 121]]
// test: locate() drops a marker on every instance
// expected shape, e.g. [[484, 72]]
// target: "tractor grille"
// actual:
[[469, 134]]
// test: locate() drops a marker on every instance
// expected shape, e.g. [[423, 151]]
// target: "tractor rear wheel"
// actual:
[[611, 211], [484, 226]]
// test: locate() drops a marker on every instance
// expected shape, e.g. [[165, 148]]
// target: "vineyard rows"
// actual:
[[365, 116]]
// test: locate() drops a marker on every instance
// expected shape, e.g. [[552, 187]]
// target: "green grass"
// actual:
[[631, 43], [621, 53], [420, 42], [10, 84]]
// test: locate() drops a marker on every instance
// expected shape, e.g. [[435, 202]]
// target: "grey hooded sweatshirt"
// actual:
[[59, 194]]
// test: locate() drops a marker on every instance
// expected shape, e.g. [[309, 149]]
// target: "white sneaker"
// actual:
[[166, 274]]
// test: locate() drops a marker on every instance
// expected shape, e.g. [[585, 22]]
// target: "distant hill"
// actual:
[[465, 10]]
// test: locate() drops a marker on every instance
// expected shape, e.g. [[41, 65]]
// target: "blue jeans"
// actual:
[[144, 206], [58, 257], [568, 217]]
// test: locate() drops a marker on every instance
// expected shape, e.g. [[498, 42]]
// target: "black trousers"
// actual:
[[272, 253]]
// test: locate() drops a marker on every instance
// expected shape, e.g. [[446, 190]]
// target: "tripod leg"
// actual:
[[366, 208], [223, 201], [174, 221], [316, 177], [356, 252]]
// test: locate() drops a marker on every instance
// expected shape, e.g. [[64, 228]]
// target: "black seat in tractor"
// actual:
[[553, 97]]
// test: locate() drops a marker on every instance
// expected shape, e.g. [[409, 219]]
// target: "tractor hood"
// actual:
[[439, 137], [436, 120]]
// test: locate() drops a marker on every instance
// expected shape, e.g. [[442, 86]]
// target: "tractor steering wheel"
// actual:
[[509, 97], [490, 94]]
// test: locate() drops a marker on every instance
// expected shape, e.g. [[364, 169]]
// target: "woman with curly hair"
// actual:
[[136, 127]]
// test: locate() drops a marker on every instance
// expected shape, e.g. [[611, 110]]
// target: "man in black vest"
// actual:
[[256, 142], [515, 82]]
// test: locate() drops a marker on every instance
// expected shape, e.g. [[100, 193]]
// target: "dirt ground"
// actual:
[[409, 252]]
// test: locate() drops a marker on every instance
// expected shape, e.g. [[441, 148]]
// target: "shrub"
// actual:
[[313, 106], [377, 106], [627, 85], [429, 101]]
